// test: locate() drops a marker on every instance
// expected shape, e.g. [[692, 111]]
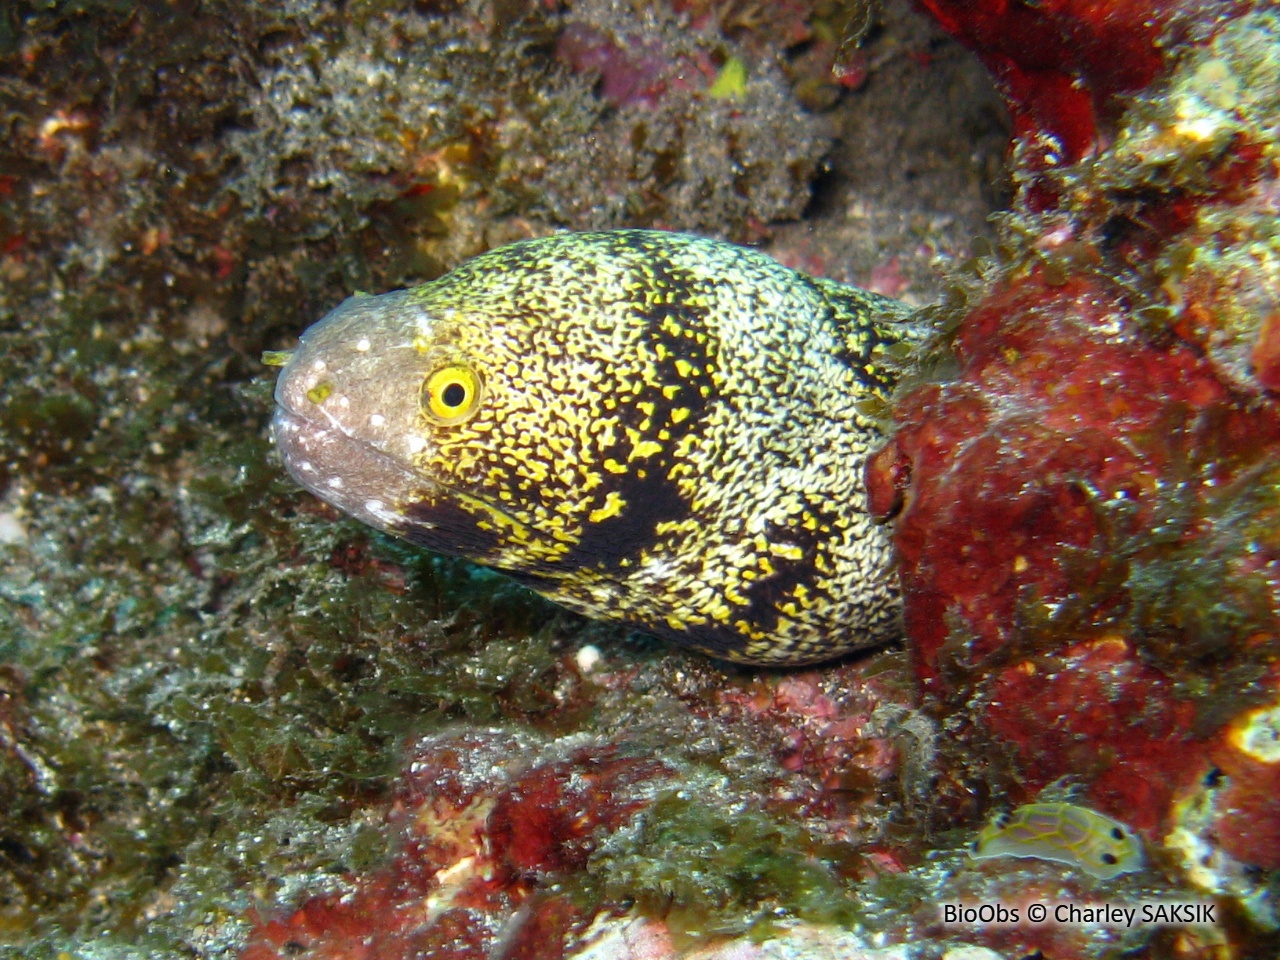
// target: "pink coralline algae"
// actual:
[[832, 752], [1086, 511], [486, 820], [631, 71], [514, 845]]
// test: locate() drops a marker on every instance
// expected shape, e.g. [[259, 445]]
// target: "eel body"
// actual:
[[647, 427]]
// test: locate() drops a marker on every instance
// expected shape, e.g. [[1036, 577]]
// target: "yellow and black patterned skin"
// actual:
[[648, 427]]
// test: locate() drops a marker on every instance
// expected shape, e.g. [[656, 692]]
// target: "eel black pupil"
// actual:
[[453, 395]]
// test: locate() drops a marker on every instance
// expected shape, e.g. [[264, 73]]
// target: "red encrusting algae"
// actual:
[[488, 822], [1086, 511]]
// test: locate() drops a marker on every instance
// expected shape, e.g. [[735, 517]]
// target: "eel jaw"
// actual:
[[349, 473]]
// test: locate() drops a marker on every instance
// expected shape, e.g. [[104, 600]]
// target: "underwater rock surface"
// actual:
[[232, 724]]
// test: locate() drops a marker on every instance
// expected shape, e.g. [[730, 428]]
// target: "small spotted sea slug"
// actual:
[[1064, 833]]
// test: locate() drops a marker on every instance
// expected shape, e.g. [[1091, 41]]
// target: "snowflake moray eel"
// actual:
[[653, 428]]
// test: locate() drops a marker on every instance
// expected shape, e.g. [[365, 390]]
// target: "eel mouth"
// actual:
[[384, 492], [349, 473]]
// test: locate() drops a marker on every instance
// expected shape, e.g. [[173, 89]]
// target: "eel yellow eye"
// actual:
[[451, 393]]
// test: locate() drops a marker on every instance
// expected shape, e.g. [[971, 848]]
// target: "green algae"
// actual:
[[713, 870], [188, 730], [179, 672], [730, 82]]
